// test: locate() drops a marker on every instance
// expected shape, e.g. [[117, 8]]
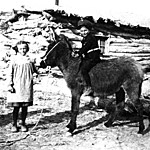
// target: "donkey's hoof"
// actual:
[[141, 131], [71, 129], [108, 124]]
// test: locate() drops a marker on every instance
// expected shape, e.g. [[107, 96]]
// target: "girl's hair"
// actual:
[[19, 43]]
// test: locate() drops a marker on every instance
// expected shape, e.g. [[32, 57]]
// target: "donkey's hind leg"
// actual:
[[120, 100], [134, 93]]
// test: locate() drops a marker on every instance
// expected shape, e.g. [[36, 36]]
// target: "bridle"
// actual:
[[52, 49], [43, 59]]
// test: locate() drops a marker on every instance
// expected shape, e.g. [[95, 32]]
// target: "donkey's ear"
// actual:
[[62, 37]]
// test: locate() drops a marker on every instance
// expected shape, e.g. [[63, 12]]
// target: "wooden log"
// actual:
[[146, 56], [32, 11], [146, 62], [132, 50], [109, 105], [145, 104], [141, 58], [76, 44]]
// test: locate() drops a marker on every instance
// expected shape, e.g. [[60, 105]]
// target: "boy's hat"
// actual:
[[85, 23]]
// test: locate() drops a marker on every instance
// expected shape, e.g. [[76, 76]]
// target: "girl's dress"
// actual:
[[20, 76]]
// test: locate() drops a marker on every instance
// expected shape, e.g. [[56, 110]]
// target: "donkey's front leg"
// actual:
[[74, 110]]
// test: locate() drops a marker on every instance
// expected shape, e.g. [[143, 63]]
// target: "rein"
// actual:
[[69, 46], [52, 49]]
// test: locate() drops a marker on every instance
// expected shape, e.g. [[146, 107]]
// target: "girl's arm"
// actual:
[[10, 75]]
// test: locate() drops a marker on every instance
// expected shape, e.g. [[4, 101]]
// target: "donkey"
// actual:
[[114, 76]]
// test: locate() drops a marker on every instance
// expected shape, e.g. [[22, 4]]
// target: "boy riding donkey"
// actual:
[[90, 53]]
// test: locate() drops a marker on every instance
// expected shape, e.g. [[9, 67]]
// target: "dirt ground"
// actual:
[[48, 117]]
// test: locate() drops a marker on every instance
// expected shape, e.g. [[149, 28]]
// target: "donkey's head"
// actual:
[[57, 53]]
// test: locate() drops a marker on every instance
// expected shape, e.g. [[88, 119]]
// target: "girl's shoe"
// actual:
[[24, 128], [14, 129]]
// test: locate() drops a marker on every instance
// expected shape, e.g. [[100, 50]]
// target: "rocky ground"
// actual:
[[48, 117]]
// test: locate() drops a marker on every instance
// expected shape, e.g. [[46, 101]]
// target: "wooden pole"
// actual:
[[57, 2]]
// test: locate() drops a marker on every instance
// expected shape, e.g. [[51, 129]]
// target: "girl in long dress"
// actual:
[[20, 84]]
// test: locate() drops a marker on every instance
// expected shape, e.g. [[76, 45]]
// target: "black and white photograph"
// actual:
[[74, 75]]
